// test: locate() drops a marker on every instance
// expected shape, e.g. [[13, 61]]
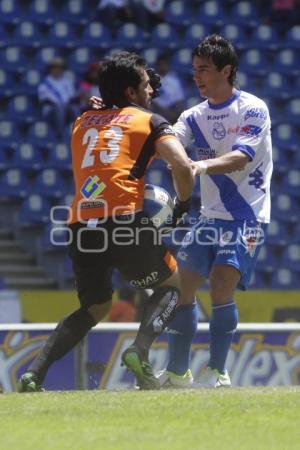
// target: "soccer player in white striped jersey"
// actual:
[[231, 133]]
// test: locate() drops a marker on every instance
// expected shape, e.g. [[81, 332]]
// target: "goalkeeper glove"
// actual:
[[180, 209], [154, 81]]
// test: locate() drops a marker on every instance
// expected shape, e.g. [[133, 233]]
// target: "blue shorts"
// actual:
[[217, 242]]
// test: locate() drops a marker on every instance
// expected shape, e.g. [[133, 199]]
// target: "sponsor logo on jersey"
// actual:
[[167, 130], [250, 130], [92, 187], [259, 113], [233, 130], [145, 282], [217, 116], [218, 131], [205, 153]]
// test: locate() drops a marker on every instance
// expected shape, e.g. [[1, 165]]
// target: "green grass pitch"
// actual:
[[235, 419]]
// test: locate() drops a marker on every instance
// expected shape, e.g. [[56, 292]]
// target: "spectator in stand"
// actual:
[[282, 14], [124, 310], [150, 13], [57, 97], [170, 102], [89, 86], [113, 13]]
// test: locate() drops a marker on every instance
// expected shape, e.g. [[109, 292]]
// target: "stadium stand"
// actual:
[[35, 166]]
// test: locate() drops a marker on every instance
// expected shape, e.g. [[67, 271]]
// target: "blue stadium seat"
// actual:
[[6, 160], [284, 279], [3, 36], [290, 183], [277, 233], [194, 34], [258, 281], [35, 210], [49, 183], [41, 135], [42, 12], [60, 211], [284, 136], [246, 82], [244, 14], [10, 12], [7, 83], [212, 13], [236, 35], [43, 57], [296, 160], [265, 37], [276, 85], [291, 257], [20, 109], [61, 34], [27, 34], [182, 61], [280, 159], [80, 58], [130, 35], [60, 157], [75, 11], [292, 111], [292, 39], [178, 13], [96, 35], [267, 259], [28, 157], [295, 234], [14, 184], [29, 82], [254, 62], [9, 134], [286, 62], [285, 208], [150, 55], [13, 59], [163, 35], [54, 238]]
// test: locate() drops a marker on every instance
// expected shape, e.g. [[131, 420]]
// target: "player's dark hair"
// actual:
[[116, 74], [221, 53]]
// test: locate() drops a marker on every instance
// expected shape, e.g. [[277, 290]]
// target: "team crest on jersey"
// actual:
[[92, 187], [218, 131]]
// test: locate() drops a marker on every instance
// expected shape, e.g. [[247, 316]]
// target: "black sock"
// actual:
[[159, 311], [66, 335]]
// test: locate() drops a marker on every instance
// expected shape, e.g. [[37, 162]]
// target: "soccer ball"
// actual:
[[158, 205]]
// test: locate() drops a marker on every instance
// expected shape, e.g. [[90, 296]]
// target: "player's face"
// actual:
[[143, 94], [209, 80]]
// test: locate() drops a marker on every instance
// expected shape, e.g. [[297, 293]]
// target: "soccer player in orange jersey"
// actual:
[[111, 149]]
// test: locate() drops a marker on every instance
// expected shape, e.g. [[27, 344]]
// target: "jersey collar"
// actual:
[[227, 102]]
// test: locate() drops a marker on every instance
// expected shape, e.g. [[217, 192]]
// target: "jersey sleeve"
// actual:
[[161, 128], [183, 131], [254, 126]]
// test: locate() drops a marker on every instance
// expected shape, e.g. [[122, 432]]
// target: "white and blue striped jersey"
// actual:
[[240, 123]]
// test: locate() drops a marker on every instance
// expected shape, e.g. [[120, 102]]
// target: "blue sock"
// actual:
[[181, 332], [223, 323]]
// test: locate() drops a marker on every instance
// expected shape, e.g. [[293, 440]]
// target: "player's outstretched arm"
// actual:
[[173, 153], [231, 162]]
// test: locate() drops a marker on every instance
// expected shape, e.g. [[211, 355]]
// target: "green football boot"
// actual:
[[141, 368], [29, 383]]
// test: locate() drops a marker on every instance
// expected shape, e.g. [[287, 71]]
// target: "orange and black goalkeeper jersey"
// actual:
[[111, 150]]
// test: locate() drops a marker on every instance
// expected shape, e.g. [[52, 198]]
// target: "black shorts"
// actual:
[[133, 246]]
